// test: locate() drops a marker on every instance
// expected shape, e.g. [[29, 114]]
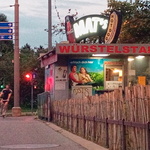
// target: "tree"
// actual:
[[136, 21], [29, 64], [6, 65], [3, 17]]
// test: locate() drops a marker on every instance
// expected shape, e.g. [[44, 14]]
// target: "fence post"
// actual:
[[63, 122], [94, 129], [84, 126], [67, 121], [71, 122], [123, 136], [107, 133], [148, 135], [77, 123], [57, 120]]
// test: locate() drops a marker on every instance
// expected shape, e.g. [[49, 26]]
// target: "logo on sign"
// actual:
[[89, 25], [93, 28], [113, 28]]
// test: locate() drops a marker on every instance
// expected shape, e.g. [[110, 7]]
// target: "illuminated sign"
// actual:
[[93, 28], [69, 29], [113, 28], [103, 49], [93, 25]]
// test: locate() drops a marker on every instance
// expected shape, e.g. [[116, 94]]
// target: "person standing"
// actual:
[[5, 97], [73, 76], [84, 76]]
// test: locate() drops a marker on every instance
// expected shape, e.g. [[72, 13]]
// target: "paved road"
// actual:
[[27, 133]]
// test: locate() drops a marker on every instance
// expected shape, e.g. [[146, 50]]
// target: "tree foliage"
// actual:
[[3, 18], [6, 50], [136, 21], [29, 63]]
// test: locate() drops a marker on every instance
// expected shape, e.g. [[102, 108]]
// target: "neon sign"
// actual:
[[90, 26], [101, 28]]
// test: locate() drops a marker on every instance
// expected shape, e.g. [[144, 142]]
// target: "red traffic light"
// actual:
[[28, 77]]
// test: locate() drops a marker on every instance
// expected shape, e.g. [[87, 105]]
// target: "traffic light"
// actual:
[[2, 83], [2, 86], [35, 83], [28, 77], [35, 86]]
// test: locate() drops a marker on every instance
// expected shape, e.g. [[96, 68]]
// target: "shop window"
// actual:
[[113, 76]]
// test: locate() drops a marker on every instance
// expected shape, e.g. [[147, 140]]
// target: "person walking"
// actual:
[[5, 97]]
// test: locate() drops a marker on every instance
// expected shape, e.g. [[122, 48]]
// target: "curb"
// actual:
[[22, 114], [83, 142]]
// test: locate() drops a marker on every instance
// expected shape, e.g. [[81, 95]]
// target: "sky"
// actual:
[[33, 16]]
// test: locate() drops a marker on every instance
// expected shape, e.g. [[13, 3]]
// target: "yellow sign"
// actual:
[[142, 80]]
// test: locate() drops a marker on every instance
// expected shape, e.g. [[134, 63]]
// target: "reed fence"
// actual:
[[118, 120]]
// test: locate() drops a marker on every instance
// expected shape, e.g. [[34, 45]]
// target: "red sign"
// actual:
[[114, 27], [103, 48]]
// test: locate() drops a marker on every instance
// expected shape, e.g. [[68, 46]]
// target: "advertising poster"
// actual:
[[61, 76], [60, 72], [87, 72]]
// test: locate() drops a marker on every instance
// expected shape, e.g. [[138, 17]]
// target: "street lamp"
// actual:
[[16, 110]]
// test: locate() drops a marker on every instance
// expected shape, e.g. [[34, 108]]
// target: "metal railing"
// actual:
[[44, 105]]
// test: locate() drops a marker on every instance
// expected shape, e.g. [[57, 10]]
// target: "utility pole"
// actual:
[[16, 110], [49, 48], [49, 25]]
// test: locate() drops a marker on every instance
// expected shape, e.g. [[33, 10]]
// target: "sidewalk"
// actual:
[[83, 142], [77, 139], [28, 133]]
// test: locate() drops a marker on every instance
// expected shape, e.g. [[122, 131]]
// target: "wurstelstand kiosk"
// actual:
[[91, 47]]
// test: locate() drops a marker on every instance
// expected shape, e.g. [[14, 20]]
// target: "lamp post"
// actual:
[[16, 110]]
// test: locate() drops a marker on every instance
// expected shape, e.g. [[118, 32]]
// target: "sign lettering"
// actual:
[[90, 25], [103, 49]]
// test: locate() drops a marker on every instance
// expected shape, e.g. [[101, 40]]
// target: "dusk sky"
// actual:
[[34, 17]]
